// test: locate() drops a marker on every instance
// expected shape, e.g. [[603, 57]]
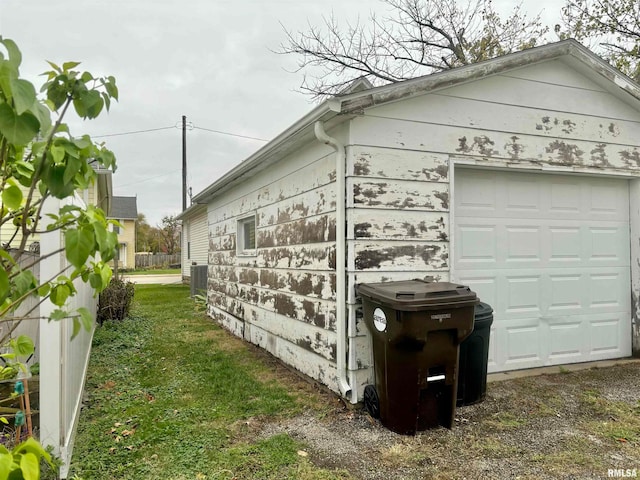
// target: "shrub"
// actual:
[[115, 300]]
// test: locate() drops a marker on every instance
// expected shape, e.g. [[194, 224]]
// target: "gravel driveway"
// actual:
[[573, 425]]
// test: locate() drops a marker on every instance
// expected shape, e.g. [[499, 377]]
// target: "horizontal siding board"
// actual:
[[436, 109], [307, 257], [310, 177], [398, 194], [305, 283], [397, 225], [404, 256], [318, 201], [504, 147], [510, 90], [315, 311], [307, 230], [398, 164], [317, 340]]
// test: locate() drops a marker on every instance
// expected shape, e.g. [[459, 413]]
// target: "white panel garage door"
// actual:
[[550, 254]]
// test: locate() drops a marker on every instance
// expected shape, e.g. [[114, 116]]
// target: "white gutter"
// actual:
[[341, 278]]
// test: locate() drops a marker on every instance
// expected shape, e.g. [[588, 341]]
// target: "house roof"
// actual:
[[124, 208], [341, 108], [191, 211]]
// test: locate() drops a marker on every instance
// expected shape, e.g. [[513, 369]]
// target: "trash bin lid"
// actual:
[[413, 295], [483, 314]]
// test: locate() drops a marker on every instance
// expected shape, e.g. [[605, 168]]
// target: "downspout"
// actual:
[[341, 256]]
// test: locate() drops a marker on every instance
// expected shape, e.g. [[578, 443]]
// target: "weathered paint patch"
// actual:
[[398, 225], [631, 158], [599, 156], [565, 153], [393, 256], [317, 230], [399, 164], [513, 148], [481, 145], [400, 194]]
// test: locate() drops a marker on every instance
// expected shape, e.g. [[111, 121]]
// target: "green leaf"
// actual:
[[69, 65], [78, 245], [58, 314], [23, 346], [15, 57], [54, 181], [57, 153], [44, 290], [88, 104], [24, 282], [30, 467], [24, 168], [59, 295], [76, 328], [73, 167], [4, 285], [105, 274], [95, 280], [17, 129], [30, 445], [6, 462], [12, 197], [86, 318], [56, 94], [24, 95]]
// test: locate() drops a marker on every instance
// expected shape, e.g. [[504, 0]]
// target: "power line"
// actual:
[[150, 178], [134, 132], [230, 134], [175, 126]]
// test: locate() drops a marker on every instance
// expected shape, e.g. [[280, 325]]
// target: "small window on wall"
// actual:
[[246, 236]]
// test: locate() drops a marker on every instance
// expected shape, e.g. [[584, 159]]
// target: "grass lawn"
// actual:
[[159, 271], [169, 393]]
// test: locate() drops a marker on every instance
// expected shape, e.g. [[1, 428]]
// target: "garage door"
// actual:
[[550, 254]]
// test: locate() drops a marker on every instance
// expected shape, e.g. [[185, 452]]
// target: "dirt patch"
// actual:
[[564, 425]]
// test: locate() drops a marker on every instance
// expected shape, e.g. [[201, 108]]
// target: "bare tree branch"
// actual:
[[418, 37]]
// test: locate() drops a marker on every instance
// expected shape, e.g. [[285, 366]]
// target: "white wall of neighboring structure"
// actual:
[[195, 240]]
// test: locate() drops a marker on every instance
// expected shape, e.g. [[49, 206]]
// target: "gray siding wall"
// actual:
[[283, 298]]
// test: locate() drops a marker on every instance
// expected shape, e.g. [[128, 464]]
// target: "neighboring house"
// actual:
[[125, 210], [195, 239], [519, 176]]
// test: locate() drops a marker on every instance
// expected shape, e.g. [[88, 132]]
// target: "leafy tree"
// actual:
[[147, 237], [610, 27], [419, 37], [40, 159], [170, 234]]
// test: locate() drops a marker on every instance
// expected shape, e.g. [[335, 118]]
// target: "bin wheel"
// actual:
[[371, 401]]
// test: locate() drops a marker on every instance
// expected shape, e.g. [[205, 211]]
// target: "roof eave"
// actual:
[[387, 93]]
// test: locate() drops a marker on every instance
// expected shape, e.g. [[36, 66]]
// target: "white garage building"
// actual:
[[519, 176]]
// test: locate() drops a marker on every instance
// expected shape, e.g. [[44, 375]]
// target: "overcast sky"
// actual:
[[210, 60]]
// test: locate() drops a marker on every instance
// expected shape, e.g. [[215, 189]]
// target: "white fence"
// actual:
[[63, 362]]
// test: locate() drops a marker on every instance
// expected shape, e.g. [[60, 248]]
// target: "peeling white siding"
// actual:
[[283, 297]]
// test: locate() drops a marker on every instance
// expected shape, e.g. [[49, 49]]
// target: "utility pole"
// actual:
[[184, 163]]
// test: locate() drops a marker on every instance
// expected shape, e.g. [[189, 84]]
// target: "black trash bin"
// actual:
[[474, 357], [416, 329]]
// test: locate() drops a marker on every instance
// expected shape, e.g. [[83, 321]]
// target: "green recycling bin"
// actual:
[[416, 329]]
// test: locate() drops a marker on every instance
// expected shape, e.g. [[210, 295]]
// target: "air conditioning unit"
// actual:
[[198, 279]]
